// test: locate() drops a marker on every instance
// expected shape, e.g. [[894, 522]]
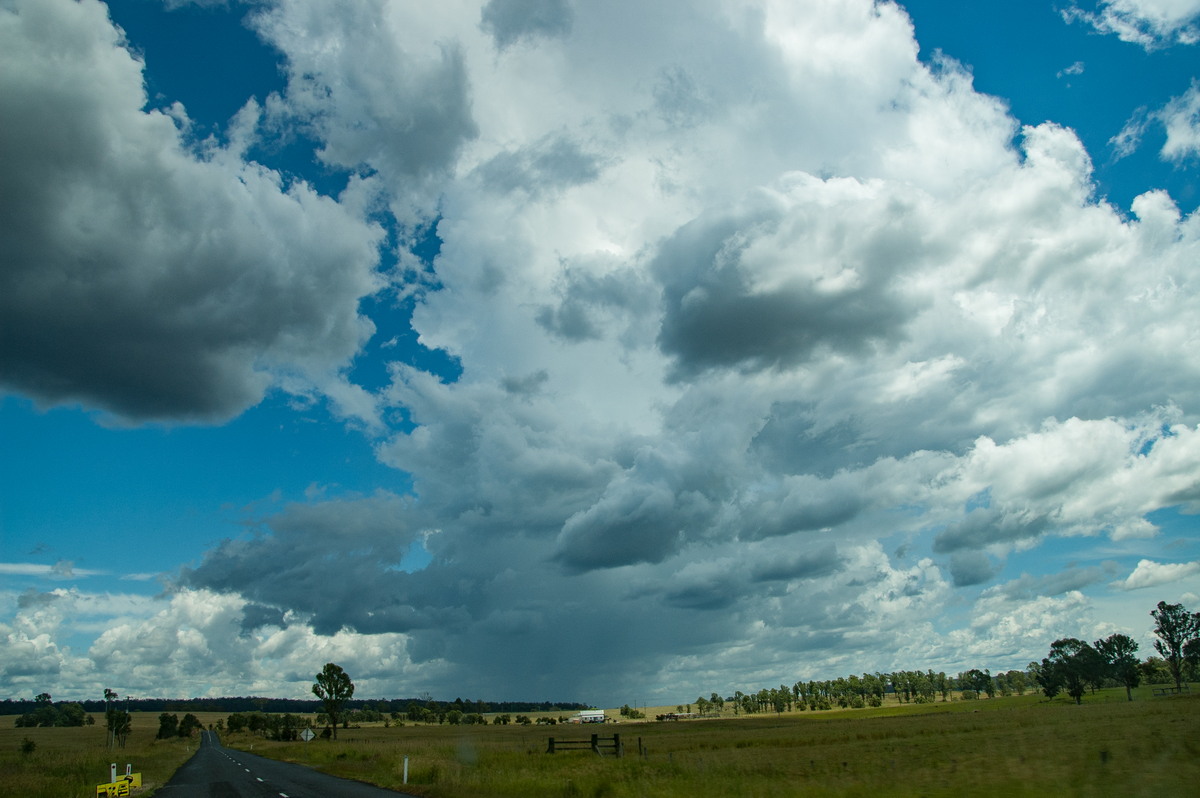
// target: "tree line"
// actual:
[[384, 707], [1072, 666]]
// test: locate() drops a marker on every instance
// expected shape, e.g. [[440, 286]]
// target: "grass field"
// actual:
[[1018, 746], [70, 762]]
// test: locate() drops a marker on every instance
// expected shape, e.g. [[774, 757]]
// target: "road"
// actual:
[[218, 772]]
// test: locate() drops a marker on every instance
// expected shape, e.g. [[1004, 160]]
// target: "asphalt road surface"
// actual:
[[218, 772]]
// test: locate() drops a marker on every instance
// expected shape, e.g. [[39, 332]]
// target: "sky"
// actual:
[[610, 352]]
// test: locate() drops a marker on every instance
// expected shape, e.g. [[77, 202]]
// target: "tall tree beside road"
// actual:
[[334, 688], [1178, 636], [168, 726], [1119, 653]]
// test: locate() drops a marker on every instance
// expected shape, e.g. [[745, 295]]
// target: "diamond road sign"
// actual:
[[307, 735]]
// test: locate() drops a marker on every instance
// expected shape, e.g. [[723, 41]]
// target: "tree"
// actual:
[[334, 688], [189, 724], [168, 726], [120, 723], [979, 681], [1119, 653], [44, 713], [1071, 665], [71, 714], [1177, 631], [118, 720]]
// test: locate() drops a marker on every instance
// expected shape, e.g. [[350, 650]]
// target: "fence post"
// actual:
[[618, 747], [550, 750], [596, 743]]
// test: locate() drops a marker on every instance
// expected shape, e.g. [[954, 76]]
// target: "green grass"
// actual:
[[70, 762], [1018, 746]]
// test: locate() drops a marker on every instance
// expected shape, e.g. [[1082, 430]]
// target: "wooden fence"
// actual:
[[596, 744]]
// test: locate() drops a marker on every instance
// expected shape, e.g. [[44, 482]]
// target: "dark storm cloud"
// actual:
[[1027, 587], [718, 593], [633, 523], [592, 304], [803, 514], [255, 616], [971, 568], [136, 277], [509, 21], [720, 585], [553, 164], [984, 526], [35, 598], [791, 443], [336, 562], [806, 565], [715, 316], [527, 385]]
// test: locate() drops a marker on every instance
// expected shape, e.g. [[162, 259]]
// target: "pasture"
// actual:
[[70, 762], [1017, 746]]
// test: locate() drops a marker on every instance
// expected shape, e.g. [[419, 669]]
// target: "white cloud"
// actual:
[[1076, 68], [1181, 118], [1149, 23], [802, 291], [1127, 141], [743, 299], [60, 570], [1153, 574], [190, 643]]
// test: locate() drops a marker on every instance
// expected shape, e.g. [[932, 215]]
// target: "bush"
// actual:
[[969, 695], [28, 746]]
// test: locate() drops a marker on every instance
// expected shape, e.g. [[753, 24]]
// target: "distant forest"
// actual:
[[384, 706]]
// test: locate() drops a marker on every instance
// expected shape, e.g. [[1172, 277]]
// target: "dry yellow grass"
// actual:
[[70, 762]]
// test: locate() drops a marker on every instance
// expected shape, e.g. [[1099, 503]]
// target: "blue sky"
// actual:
[[487, 349]]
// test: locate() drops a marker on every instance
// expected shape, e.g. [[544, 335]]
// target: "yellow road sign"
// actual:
[[120, 787]]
